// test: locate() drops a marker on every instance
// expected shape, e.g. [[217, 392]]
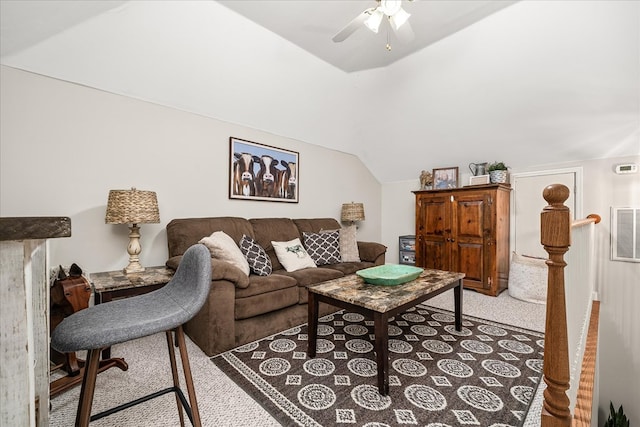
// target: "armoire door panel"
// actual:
[[470, 216], [435, 215], [470, 261], [435, 255]]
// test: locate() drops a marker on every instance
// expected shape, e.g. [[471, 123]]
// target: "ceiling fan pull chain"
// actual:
[[388, 43]]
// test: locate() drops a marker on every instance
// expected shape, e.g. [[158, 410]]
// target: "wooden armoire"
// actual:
[[466, 230]]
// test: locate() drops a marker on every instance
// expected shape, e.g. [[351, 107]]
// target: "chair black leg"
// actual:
[[174, 372], [187, 376], [88, 387], [92, 365]]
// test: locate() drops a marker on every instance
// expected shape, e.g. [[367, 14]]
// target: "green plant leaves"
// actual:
[[616, 418]]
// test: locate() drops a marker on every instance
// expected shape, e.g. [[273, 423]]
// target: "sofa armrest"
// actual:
[[372, 252], [220, 270]]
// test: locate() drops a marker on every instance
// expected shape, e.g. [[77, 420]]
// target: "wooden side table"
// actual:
[[108, 285], [116, 284]]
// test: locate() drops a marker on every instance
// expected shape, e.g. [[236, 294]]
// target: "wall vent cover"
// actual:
[[625, 234]]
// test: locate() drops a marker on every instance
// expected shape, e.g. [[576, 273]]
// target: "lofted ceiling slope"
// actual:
[[311, 24], [528, 82]]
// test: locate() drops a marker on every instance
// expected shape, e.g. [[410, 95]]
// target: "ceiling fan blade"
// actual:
[[352, 26], [405, 33]]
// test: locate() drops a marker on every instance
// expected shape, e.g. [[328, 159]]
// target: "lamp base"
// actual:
[[133, 267], [134, 250]]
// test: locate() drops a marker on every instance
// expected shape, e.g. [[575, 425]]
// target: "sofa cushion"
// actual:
[[315, 225], [324, 248], [350, 267], [259, 262], [185, 232], [310, 276], [224, 248], [264, 295], [266, 230], [292, 255], [220, 270]]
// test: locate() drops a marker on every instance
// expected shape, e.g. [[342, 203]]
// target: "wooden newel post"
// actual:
[[555, 236]]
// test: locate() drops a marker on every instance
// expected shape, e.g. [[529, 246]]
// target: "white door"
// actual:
[[527, 203]]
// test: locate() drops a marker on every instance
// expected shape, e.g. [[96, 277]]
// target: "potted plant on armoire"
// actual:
[[497, 172]]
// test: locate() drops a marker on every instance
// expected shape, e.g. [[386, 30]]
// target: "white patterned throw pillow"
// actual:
[[292, 255], [258, 260], [324, 248], [223, 247]]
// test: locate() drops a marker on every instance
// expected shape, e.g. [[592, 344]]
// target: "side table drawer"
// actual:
[[407, 257], [407, 244]]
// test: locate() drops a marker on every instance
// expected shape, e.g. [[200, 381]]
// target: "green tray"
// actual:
[[390, 274]]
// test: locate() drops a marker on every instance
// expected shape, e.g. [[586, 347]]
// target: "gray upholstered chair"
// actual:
[[163, 310]]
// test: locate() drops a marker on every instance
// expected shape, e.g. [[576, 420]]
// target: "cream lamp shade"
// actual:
[[132, 207], [352, 212]]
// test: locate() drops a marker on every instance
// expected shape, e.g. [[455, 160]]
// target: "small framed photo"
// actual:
[[445, 178], [479, 180], [262, 172]]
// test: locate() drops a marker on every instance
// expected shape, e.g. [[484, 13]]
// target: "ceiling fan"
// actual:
[[372, 18]]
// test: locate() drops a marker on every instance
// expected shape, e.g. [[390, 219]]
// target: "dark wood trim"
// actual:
[[31, 228]]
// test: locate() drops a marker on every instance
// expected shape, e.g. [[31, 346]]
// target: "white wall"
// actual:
[[64, 146], [398, 214], [619, 288], [557, 74], [619, 282]]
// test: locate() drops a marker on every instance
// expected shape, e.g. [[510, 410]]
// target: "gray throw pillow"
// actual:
[[324, 248], [258, 260]]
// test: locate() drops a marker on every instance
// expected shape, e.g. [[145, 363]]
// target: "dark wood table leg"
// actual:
[[381, 330], [457, 296], [312, 333], [100, 298]]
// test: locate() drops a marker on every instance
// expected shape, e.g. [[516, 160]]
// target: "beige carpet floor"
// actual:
[[221, 401]]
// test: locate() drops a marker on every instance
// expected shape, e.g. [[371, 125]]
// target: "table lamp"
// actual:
[[352, 212], [132, 207]]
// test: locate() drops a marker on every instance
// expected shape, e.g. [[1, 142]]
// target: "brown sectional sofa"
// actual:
[[241, 309]]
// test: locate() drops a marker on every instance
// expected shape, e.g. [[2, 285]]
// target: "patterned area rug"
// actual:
[[485, 375]]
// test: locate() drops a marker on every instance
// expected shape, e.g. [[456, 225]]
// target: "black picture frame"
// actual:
[[262, 172]]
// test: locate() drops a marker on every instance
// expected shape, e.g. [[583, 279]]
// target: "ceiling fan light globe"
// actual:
[[390, 7], [399, 18], [373, 21]]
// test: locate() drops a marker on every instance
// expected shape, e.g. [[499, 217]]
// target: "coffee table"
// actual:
[[380, 303]]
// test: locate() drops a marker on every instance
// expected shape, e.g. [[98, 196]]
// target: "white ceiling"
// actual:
[[311, 24], [530, 83]]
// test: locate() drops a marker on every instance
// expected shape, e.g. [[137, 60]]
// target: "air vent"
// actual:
[[625, 234]]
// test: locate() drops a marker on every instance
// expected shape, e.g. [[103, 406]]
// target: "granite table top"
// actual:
[[353, 289], [116, 280]]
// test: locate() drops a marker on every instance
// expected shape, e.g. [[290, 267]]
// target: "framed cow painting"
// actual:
[[262, 172]]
